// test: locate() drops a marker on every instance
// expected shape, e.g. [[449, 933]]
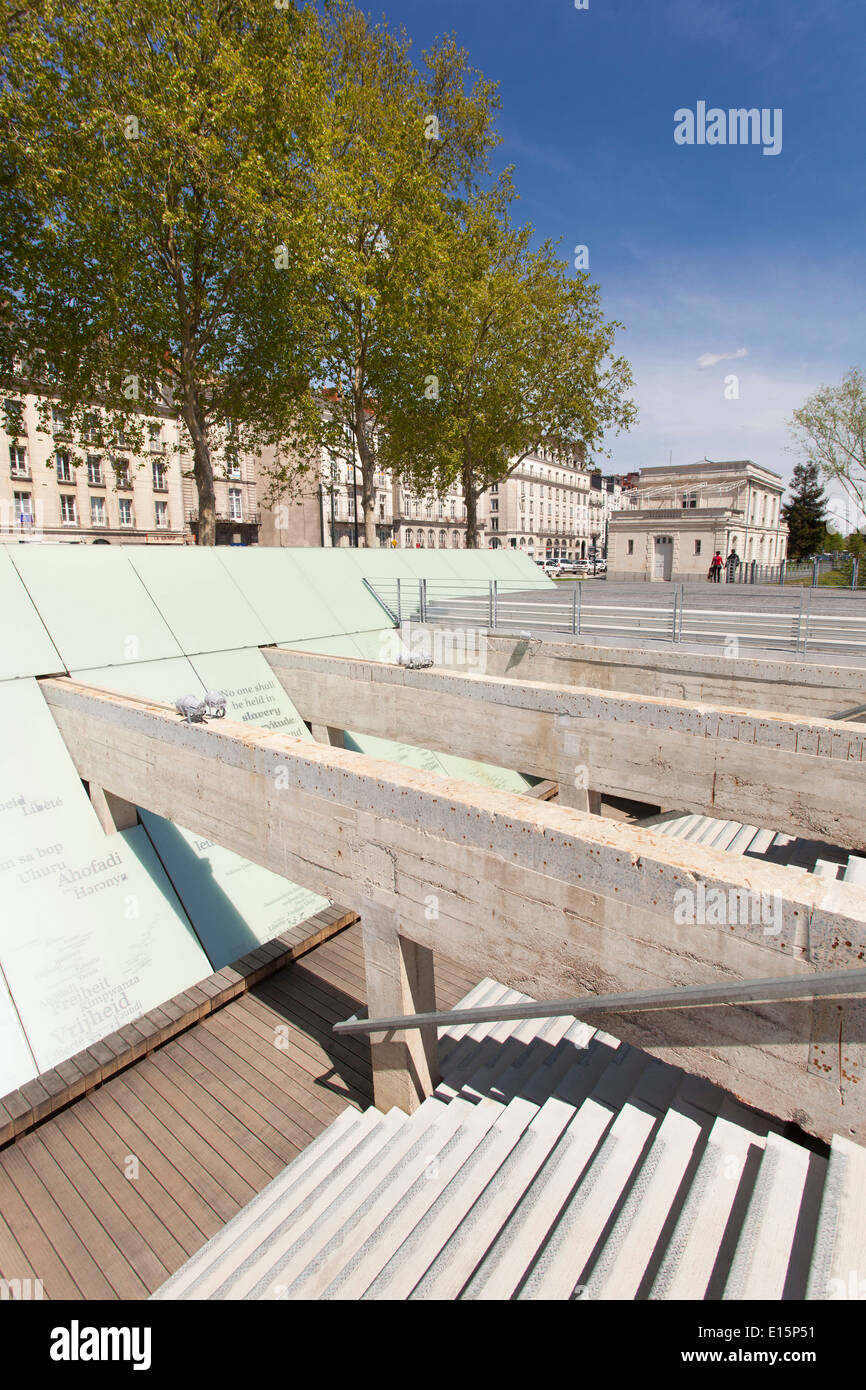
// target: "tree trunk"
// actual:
[[470, 497], [202, 467], [368, 471]]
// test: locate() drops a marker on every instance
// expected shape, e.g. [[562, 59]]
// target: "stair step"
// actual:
[[622, 1264], [480, 997], [760, 1267], [855, 871], [824, 869], [762, 841], [838, 1268], [524, 1050], [600, 1190], [462, 1059], [462, 1253], [724, 830], [725, 1174], [481, 1170], [742, 840], [516, 1249], [364, 1242], [267, 1270], [284, 1193], [535, 1078], [680, 829], [729, 834]]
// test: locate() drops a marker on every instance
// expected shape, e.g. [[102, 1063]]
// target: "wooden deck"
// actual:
[[111, 1195]]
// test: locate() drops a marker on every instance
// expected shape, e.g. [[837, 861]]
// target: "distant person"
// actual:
[[733, 564], [716, 565]]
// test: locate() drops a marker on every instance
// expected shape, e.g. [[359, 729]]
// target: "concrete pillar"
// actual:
[[323, 733], [112, 812], [579, 799], [399, 981]]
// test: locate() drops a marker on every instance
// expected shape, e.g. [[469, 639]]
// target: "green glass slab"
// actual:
[[26, 649]]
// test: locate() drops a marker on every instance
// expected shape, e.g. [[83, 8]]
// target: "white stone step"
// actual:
[[824, 869], [268, 1270], [702, 826], [282, 1195], [530, 1045], [464, 1251], [516, 1249], [724, 831], [417, 1251], [742, 840], [730, 833], [838, 1267], [357, 1251], [473, 1060], [728, 1165], [680, 828], [536, 1076], [622, 1264], [480, 997], [460, 1061], [763, 1255], [855, 871], [603, 1186], [762, 841]]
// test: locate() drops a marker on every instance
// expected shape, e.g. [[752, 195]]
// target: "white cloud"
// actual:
[[709, 359]]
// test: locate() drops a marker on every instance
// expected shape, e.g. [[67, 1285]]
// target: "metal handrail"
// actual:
[[828, 984]]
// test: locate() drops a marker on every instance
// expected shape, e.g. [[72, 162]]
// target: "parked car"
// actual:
[[569, 567]]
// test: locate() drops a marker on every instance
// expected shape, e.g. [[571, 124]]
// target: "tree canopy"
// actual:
[[829, 430]]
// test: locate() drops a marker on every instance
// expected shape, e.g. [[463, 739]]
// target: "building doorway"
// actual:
[[663, 559]]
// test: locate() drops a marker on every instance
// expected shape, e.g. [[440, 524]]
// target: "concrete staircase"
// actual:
[[552, 1162], [816, 856]]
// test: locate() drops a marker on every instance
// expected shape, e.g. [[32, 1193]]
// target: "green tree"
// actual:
[[522, 357], [829, 430], [155, 186], [401, 142], [805, 512]]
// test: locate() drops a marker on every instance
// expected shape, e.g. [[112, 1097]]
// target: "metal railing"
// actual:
[[831, 984], [785, 622]]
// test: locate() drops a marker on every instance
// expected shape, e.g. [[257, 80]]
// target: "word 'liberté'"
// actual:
[[733, 127]]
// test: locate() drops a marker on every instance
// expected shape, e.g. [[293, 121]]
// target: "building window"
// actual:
[[494, 504], [23, 508], [124, 508], [431, 540], [631, 547], [64, 468], [697, 547], [455, 539], [68, 513], [233, 466], [91, 429], [236, 508], [121, 470], [59, 421], [453, 509], [410, 537], [494, 523], [14, 421], [441, 509], [155, 441], [160, 510], [97, 511], [94, 470], [159, 477], [18, 461], [690, 499]]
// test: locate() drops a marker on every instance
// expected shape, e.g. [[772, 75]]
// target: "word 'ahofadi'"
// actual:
[[737, 126]]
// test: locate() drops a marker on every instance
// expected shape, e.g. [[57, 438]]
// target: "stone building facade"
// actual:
[[672, 520], [113, 494]]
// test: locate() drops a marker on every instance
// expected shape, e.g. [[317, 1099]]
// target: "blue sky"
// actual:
[[697, 249]]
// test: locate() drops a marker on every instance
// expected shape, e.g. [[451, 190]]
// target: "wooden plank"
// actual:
[[148, 1243], [66, 1247], [61, 1171]]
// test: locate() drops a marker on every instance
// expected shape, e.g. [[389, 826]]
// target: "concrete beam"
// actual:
[[112, 813], [782, 686], [552, 902], [784, 772]]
